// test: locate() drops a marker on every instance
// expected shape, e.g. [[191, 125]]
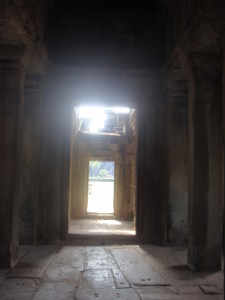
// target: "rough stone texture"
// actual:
[[33, 264], [19, 288], [151, 168], [205, 170], [116, 36], [119, 60], [11, 85], [112, 272], [194, 48], [177, 139], [31, 154]]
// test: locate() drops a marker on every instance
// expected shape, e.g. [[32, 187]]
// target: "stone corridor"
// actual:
[[106, 272]]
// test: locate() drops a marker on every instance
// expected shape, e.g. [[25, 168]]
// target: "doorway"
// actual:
[[101, 187]]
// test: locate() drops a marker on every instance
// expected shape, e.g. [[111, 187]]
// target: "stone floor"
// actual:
[[107, 272], [101, 227]]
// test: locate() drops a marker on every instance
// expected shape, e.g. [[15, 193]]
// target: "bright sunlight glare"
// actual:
[[97, 115]]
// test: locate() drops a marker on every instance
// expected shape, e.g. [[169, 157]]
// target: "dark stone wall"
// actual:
[[115, 35], [152, 187], [177, 141], [52, 211], [33, 105], [179, 16]]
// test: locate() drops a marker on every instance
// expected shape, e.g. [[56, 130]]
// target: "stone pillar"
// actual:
[[11, 116], [119, 207], [130, 177], [177, 138], [151, 168], [31, 158], [205, 163], [223, 83]]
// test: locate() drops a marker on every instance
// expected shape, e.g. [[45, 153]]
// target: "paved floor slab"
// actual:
[[109, 294], [34, 263], [19, 289], [55, 291], [107, 272], [101, 226], [138, 270]]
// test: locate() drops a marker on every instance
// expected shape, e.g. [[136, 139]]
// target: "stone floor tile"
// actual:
[[61, 272], [136, 268], [100, 226], [181, 277], [70, 255], [178, 297], [55, 291], [170, 263], [99, 250], [121, 281], [106, 294], [145, 290], [215, 278], [99, 262], [187, 289], [108, 272], [211, 290], [34, 263], [98, 279], [19, 289], [3, 273]]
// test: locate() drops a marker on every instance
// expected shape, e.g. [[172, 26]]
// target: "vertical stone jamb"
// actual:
[[31, 158], [12, 74], [205, 168], [177, 138]]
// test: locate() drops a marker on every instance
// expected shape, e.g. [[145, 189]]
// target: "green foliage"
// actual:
[[103, 173], [94, 168], [101, 169]]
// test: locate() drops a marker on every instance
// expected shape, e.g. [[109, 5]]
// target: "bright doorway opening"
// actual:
[[101, 187]]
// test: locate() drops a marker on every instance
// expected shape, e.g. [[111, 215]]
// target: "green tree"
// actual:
[[103, 173]]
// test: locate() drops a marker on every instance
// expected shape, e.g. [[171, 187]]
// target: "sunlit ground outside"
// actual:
[[100, 197]]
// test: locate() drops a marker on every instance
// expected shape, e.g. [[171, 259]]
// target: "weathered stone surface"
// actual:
[[3, 273], [34, 263], [11, 116], [126, 272], [205, 169], [55, 291], [108, 293], [136, 268], [120, 279], [177, 138], [96, 279], [18, 288]]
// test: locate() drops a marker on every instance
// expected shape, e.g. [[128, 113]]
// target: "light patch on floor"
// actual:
[[100, 226]]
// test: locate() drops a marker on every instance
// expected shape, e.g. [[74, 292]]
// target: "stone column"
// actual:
[[130, 178], [31, 158], [205, 163], [223, 83], [11, 116], [177, 138], [119, 187], [151, 168]]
